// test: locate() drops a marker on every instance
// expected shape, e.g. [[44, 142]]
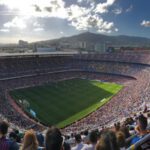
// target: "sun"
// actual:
[[23, 7], [29, 7]]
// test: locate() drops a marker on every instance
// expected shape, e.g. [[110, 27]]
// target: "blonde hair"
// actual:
[[120, 138], [30, 141]]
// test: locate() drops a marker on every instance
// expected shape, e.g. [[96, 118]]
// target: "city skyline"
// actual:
[[35, 20]]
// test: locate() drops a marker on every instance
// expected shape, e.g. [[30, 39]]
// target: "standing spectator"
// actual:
[[121, 140], [93, 137], [40, 139], [30, 141], [107, 141], [54, 140], [79, 143], [13, 139], [4, 143]]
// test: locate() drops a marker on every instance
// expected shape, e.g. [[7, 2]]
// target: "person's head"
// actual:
[[120, 139], [30, 141], [66, 146], [16, 131], [93, 137], [13, 136], [78, 138], [117, 126], [142, 122], [107, 141], [54, 139], [3, 128], [125, 130]]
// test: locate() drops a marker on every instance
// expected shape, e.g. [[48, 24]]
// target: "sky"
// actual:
[[35, 20]]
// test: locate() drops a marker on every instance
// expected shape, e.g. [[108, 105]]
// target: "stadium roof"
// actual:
[[37, 54]]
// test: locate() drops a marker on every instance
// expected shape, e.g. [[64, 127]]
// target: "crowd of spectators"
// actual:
[[120, 136], [131, 70], [132, 57]]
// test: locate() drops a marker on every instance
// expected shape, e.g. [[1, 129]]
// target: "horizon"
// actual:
[[34, 21], [71, 36]]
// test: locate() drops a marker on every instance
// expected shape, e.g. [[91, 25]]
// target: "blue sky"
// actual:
[[34, 20]]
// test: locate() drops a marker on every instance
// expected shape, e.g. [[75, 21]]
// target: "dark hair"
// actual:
[[93, 137], [142, 122], [66, 146], [13, 135], [53, 139], [3, 127], [86, 132], [117, 126], [78, 138], [107, 141]]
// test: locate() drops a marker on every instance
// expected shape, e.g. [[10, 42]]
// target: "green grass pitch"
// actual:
[[67, 101]]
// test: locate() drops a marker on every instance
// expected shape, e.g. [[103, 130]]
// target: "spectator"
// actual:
[[13, 139], [140, 128], [142, 125], [121, 140], [4, 143], [54, 140], [93, 137], [66, 146], [18, 135], [30, 141], [40, 139], [107, 141], [117, 126], [79, 143]]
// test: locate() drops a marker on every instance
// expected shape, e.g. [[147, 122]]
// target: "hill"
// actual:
[[93, 38]]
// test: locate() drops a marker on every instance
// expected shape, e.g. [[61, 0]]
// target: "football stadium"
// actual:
[[73, 91], [74, 74]]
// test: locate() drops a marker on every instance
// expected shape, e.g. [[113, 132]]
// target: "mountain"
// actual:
[[93, 38]]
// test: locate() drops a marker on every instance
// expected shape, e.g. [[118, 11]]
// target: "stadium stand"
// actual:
[[130, 69]]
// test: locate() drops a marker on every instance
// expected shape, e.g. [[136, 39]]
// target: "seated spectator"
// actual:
[[79, 143], [107, 141], [54, 140], [4, 143], [93, 137], [30, 141], [13, 139]]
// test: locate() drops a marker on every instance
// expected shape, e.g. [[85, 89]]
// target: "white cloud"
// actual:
[[78, 16], [37, 8], [61, 32], [86, 18], [130, 8], [38, 29], [93, 22], [80, 1], [85, 1], [117, 11], [75, 11], [16, 23], [4, 30], [116, 29], [103, 7], [145, 23], [36, 24]]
